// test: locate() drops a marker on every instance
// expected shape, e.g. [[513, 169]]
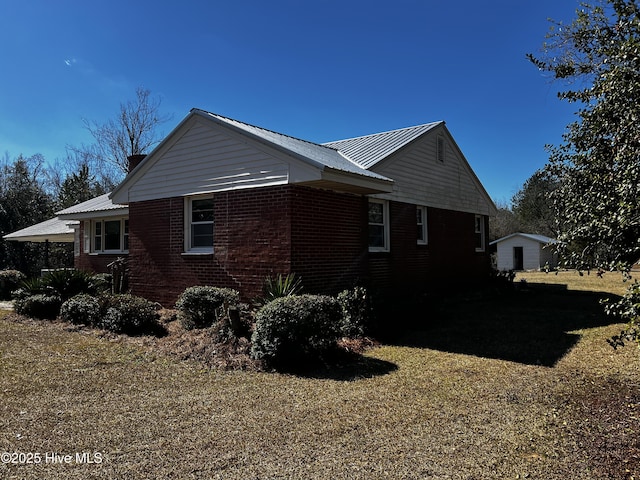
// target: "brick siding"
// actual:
[[449, 256], [320, 235]]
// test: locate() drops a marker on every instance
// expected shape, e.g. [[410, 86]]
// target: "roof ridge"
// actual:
[[385, 132], [264, 129]]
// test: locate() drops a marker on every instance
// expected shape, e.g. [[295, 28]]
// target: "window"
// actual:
[[378, 226], [199, 228], [440, 148], [421, 224], [479, 233], [111, 235]]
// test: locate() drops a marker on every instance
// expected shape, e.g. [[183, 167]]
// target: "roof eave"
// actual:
[[115, 212], [362, 183], [54, 237]]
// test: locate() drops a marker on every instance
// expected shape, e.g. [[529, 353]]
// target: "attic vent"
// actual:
[[440, 149]]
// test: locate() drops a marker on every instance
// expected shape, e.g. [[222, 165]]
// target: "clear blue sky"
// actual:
[[321, 71]]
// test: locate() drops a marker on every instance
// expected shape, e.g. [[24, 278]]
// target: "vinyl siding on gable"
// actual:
[[206, 159], [421, 179]]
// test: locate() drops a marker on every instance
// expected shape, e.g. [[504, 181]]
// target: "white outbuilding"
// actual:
[[525, 251]]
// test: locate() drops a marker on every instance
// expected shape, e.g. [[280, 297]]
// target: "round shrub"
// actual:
[[82, 309], [357, 312], [9, 281], [200, 306], [42, 306], [296, 328], [129, 314]]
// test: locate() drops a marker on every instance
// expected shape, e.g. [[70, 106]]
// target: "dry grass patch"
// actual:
[[465, 397]]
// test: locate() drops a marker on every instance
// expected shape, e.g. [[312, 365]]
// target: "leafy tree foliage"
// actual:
[[23, 202], [533, 207], [78, 187], [597, 167]]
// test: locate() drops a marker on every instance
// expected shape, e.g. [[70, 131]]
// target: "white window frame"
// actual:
[[384, 224], [479, 230], [422, 227], [124, 235], [188, 205]]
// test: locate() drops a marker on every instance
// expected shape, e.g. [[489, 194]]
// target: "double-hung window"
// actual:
[[378, 225], [199, 225], [421, 225], [479, 233], [110, 235]]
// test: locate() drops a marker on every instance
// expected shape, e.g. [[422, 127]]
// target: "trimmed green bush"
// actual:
[[357, 312], [296, 328], [42, 306], [82, 309], [9, 281], [129, 314], [203, 306]]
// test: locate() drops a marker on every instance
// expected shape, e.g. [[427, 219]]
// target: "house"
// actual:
[[525, 251], [221, 202]]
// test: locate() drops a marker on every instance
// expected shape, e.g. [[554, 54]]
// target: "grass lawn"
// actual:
[[512, 385]]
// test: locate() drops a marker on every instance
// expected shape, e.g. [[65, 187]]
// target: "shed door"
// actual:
[[518, 258]]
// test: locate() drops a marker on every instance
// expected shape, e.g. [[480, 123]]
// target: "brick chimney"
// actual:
[[134, 160]]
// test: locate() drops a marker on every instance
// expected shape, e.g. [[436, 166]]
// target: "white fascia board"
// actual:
[[119, 212], [369, 183]]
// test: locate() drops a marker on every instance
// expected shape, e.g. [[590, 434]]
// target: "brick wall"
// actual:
[[320, 235], [251, 241], [449, 255], [329, 239]]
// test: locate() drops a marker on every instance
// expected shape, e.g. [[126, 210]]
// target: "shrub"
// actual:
[[40, 306], [62, 283], [202, 306], [279, 286], [70, 282], [296, 328], [129, 314], [357, 312], [82, 309], [9, 281], [102, 282]]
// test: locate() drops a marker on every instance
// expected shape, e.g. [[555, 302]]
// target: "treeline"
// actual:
[[31, 191], [531, 209]]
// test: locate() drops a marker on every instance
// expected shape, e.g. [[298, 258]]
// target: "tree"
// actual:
[[24, 201], [79, 187], [132, 132], [533, 207], [504, 223], [597, 167]]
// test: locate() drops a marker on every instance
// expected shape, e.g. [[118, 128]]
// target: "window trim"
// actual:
[[423, 225], [385, 225], [480, 230], [90, 239], [188, 249]]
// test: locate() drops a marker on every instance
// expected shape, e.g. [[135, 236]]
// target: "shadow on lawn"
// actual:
[[531, 325], [347, 368]]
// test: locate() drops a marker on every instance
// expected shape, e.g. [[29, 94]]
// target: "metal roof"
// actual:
[[320, 155], [368, 150], [53, 230], [531, 236], [98, 204]]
